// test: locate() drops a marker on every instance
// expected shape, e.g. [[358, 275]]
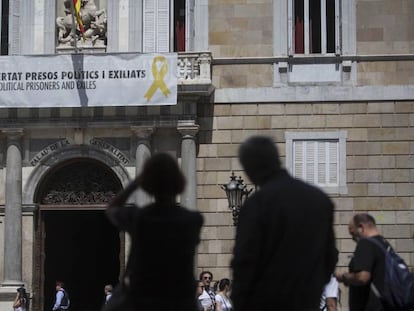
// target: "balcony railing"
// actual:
[[194, 73]]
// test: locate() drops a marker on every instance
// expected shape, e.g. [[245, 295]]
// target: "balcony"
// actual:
[[194, 73]]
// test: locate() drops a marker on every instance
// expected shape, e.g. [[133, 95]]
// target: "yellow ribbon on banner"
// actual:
[[159, 76]]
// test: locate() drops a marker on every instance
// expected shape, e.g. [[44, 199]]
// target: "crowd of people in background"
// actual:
[[213, 298], [208, 297], [217, 297]]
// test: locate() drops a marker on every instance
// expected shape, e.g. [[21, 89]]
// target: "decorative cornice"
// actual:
[[143, 132], [320, 93], [12, 133], [187, 129], [312, 59]]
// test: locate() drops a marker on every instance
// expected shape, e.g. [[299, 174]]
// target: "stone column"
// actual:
[[13, 210], [142, 153], [188, 130]]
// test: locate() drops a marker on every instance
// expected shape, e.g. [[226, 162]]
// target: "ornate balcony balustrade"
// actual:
[[194, 73]]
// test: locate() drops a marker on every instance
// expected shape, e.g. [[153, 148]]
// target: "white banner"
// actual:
[[80, 80]]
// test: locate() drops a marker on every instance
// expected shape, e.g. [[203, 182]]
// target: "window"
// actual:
[[318, 158], [4, 27], [315, 26], [179, 26], [164, 25]]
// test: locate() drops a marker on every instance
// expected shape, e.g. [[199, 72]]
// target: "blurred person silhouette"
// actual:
[[222, 297], [21, 301], [285, 250], [164, 236]]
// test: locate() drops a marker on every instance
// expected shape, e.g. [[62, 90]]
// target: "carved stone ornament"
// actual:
[[81, 183], [94, 22]]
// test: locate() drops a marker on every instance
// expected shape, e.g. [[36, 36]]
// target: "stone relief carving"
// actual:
[[94, 20]]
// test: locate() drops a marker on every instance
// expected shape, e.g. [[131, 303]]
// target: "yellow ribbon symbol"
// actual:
[[158, 78]]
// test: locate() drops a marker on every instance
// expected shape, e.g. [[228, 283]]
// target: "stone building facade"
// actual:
[[334, 91]]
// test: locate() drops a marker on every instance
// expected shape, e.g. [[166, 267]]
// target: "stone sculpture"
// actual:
[[94, 21]]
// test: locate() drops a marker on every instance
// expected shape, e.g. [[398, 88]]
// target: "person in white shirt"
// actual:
[[330, 295], [62, 301], [203, 304], [108, 292], [222, 298], [207, 298]]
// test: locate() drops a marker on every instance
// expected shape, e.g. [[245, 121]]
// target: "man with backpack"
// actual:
[[62, 301], [372, 270]]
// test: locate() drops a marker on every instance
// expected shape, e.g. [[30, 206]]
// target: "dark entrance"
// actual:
[[82, 249], [75, 242]]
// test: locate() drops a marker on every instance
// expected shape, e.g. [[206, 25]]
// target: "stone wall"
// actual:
[[244, 28], [385, 27], [386, 73], [380, 167], [241, 28]]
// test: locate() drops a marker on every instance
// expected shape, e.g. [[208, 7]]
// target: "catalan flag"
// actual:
[[77, 7]]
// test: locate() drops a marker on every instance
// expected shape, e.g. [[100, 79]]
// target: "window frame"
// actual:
[[4, 27], [324, 30], [161, 20], [171, 35], [287, 72], [339, 136]]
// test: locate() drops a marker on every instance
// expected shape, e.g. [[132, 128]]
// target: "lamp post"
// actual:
[[237, 194]]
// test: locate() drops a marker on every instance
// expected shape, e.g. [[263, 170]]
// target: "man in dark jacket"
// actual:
[[285, 245]]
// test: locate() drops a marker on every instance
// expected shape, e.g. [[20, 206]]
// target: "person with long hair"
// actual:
[[223, 302], [164, 236], [20, 302]]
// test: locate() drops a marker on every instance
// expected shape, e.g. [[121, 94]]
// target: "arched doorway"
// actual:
[[75, 242]]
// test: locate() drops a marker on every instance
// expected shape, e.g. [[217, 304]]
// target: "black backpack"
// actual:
[[65, 303], [398, 293]]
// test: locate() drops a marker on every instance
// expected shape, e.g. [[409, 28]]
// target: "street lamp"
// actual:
[[237, 194]]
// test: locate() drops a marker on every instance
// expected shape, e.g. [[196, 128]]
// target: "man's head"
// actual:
[[59, 285], [259, 158], [108, 289], [200, 288], [206, 277], [362, 225]]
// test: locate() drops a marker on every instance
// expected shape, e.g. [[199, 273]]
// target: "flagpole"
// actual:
[[72, 8]]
